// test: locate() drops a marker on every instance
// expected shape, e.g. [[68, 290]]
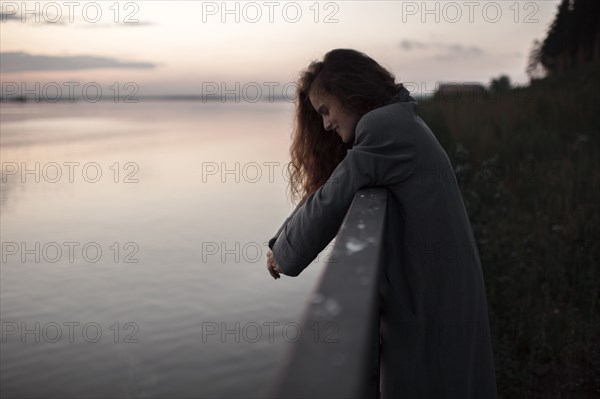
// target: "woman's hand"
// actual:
[[272, 266]]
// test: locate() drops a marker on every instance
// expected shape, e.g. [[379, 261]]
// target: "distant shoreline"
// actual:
[[137, 99]]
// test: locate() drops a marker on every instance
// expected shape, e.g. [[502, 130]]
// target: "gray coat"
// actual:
[[435, 332]]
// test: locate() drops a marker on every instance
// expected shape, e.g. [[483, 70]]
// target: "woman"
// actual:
[[356, 128]]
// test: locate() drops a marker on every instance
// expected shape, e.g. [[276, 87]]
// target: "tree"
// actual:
[[572, 39], [553, 55], [535, 69], [500, 84]]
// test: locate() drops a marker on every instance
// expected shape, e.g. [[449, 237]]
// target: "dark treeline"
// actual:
[[573, 39]]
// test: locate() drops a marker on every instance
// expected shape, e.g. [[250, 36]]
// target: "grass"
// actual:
[[528, 164]]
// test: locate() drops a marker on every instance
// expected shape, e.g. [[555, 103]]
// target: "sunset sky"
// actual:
[[177, 47]]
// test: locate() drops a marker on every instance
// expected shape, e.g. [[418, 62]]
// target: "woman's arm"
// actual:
[[371, 162], [274, 238]]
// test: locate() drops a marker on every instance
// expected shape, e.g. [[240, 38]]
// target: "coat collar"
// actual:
[[402, 95]]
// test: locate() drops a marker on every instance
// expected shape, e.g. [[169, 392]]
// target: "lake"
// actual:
[[134, 242]]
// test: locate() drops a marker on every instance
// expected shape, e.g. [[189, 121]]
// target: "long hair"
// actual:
[[361, 85]]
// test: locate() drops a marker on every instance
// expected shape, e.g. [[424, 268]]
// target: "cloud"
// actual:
[[59, 20], [112, 25], [444, 51], [6, 17], [456, 51], [22, 62], [37, 18], [411, 44]]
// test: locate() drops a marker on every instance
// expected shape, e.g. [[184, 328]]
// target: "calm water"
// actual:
[[127, 264]]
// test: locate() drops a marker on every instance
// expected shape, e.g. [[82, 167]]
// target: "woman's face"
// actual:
[[335, 116]]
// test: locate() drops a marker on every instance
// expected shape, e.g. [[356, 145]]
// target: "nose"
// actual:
[[327, 123]]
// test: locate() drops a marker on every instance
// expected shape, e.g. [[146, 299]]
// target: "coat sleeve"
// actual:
[[274, 238], [316, 222]]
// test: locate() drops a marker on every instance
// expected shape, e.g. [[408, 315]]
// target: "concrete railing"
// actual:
[[340, 357]]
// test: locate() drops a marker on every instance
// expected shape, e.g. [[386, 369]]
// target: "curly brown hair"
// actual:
[[361, 85]]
